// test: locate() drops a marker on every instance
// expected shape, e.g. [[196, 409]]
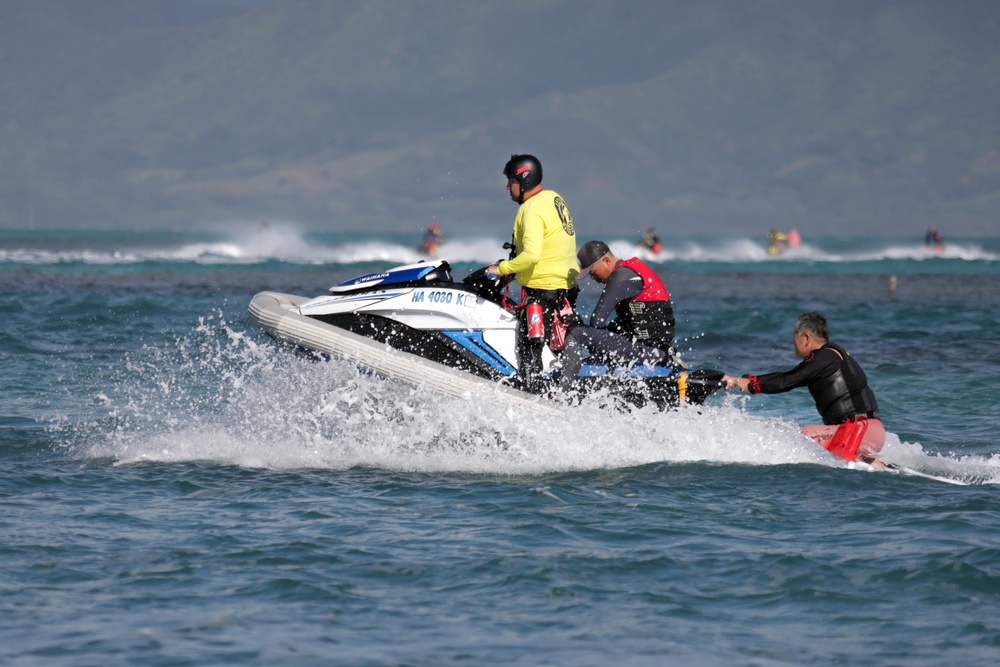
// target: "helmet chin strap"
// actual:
[[521, 190]]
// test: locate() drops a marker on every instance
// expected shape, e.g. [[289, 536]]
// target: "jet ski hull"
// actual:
[[278, 315], [414, 323]]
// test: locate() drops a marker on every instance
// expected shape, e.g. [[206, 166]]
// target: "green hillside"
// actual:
[[707, 117]]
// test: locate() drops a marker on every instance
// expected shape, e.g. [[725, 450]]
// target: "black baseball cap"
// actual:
[[590, 252]]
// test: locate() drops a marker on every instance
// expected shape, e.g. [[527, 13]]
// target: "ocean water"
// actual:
[[177, 490]]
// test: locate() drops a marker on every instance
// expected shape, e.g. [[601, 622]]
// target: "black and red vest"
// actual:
[[845, 394], [649, 317]]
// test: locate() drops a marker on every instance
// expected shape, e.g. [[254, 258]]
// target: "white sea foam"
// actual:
[[746, 250], [221, 395], [243, 243]]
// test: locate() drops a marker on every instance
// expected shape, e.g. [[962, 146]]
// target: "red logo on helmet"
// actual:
[[522, 169]]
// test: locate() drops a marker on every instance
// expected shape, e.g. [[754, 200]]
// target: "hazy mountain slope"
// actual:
[[727, 116]]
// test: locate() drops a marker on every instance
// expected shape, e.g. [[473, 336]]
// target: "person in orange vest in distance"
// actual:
[[433, 238], [651, 241], [851, 426]]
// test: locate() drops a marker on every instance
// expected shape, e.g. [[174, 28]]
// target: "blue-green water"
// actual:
[[175, 490]]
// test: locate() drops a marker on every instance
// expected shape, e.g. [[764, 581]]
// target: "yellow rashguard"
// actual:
[[545, 244]]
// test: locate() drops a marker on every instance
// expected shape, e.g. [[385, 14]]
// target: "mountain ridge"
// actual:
[[720, 116]]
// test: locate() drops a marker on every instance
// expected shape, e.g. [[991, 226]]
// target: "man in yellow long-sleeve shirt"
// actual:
[[544, 263]]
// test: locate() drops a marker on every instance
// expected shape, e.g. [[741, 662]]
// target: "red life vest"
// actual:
[[652, 286], [649, 317]]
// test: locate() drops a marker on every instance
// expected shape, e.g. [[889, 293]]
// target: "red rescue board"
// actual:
[[858, 440]]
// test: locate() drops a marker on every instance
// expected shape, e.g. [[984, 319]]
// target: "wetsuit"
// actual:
[[836, 382], [545, 265], [643, 329]]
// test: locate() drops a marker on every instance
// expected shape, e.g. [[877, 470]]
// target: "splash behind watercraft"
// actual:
[[415, 323]]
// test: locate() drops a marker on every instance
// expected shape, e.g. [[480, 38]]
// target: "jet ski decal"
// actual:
[[473, 342]]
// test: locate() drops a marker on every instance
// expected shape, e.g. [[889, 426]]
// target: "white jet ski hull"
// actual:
[[278, 315], [414, 323]]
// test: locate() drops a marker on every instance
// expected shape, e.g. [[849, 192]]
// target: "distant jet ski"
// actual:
[[414, 323]]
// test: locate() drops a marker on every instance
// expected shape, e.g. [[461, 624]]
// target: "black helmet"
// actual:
[[525, 169]]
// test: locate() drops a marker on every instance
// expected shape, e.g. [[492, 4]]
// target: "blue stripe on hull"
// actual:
[[473, 342]]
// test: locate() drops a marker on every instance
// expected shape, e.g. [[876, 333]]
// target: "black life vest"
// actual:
[[845, 394], [649, 317]]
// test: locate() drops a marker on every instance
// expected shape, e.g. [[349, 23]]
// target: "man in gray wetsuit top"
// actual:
[[643, 329]]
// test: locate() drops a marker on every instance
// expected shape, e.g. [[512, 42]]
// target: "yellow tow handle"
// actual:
[[682, 388]]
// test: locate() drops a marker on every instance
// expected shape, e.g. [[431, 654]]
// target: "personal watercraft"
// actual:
[[417, 324]]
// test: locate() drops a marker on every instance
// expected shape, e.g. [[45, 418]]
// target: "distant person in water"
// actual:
[[776, 240], [794, 238], [651, 241], [934, 239], [851, 426], [433, 238]]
